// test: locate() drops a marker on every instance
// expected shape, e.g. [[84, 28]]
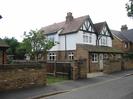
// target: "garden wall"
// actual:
[[112, 66], [128, 64], [21, 76]]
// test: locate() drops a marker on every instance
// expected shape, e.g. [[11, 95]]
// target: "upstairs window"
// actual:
[[51, 56], [85, 38], [90, 38], [71, 56], [51, 38], [126, 45], [104, 41]]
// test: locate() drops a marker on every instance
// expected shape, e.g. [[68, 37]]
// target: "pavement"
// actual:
[[44, 91]]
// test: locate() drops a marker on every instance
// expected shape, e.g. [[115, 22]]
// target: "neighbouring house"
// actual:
[[124, 40], [82, 41], [3, 54]]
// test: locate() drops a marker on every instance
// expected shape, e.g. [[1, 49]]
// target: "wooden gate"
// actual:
[[59, 69]]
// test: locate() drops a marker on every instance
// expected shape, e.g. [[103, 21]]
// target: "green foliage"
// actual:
[[13, 43], [35, 42], [129, 7], [52, 79], [20, 51]]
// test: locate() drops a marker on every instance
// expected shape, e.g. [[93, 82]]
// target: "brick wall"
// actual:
[[128, 64], [83, 57], [112, 66], [116, 43], [21, 76], [94, 67]]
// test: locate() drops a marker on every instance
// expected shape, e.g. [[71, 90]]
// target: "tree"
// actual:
[[36, 42], [21, 51], [13, 43], [129, 7]]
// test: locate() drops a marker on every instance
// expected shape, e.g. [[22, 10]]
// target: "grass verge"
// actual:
[[52, 79]]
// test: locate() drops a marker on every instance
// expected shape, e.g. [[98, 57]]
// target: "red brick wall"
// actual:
[[118, 44]]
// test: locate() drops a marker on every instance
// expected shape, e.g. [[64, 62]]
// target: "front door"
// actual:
[[101, 61]]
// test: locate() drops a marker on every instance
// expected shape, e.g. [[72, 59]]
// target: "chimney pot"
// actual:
[[124, 28]]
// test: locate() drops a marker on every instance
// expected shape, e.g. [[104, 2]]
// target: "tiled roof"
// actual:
[[99, 26], [119, 35], [73, 26], [68, 27], [99, 49], [3, 44], [124, 35], [128, 35]]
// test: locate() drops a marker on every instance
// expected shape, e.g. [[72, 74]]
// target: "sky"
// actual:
[[25, 15]]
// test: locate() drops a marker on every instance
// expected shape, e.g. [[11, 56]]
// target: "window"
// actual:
[[104, 41], [90, 38], [70, 55], [105, 56], [126, 45], [51, 38], [51, 56], [94, 57], [85, 38]]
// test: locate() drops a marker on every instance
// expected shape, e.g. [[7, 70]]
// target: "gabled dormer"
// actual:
[[104, 37], [88, 26]]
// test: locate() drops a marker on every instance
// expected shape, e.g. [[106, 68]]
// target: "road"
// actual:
[[118, 88]]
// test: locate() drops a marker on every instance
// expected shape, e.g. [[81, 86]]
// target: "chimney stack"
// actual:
[[69, 17], [124, 28], [0, 17]]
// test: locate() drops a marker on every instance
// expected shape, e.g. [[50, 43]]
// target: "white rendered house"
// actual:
[[81, 41]]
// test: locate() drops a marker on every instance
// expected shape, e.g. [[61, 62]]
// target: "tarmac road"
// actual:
[[118, 88]]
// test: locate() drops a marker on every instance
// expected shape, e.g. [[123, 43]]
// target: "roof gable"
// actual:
[[100, 26]]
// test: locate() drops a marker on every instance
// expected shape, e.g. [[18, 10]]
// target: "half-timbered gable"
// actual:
[[88, 26], [104, 34]]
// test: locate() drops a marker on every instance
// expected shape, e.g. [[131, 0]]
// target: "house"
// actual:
[[124, 40], [81, 40]]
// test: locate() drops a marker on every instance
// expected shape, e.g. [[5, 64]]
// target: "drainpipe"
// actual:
[[65, 48]]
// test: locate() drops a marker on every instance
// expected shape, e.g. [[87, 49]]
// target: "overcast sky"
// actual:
[[24, 15]]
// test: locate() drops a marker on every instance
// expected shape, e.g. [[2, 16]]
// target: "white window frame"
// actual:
[[126, 45], [51, 56], [52, 38], [90, 38], [104, 41], [85, 38], [71, 56], [94, 57]]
